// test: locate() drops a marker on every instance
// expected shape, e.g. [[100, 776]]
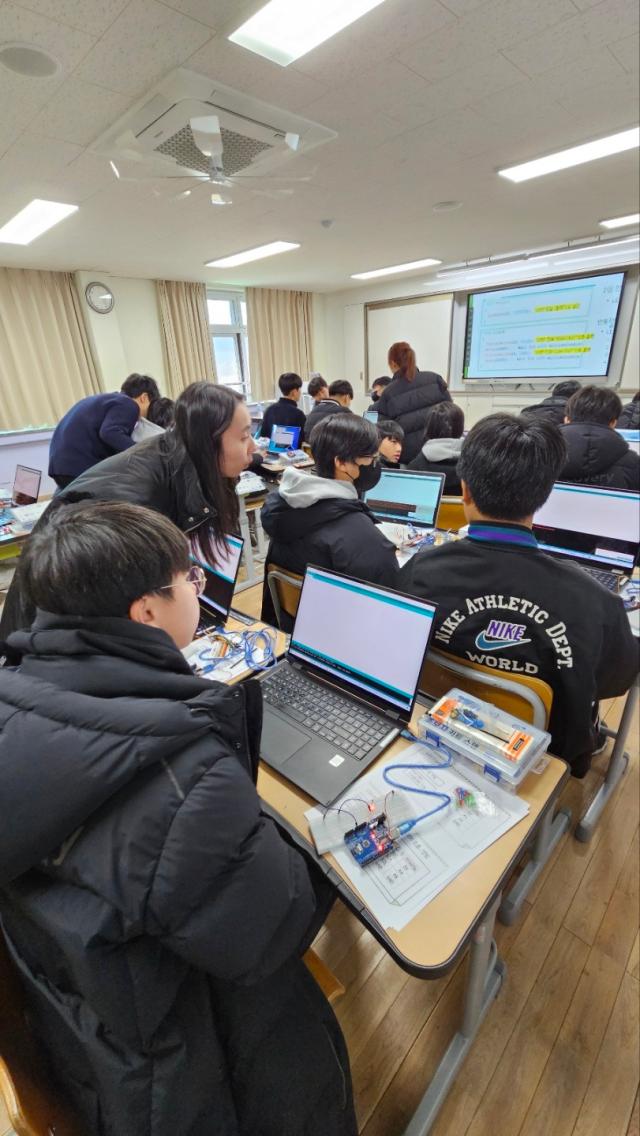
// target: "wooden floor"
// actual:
[[558, 1054]]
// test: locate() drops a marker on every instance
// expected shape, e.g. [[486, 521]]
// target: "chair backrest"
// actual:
[[34, 1106], [451, 514], [285, 588], [522, 696]]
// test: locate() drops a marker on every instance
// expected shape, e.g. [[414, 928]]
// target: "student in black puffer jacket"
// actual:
[[156, 915], [188, 473], [409, 396], [630, 417], [442, 445], [596, 453], [553, 408], [322, 519]]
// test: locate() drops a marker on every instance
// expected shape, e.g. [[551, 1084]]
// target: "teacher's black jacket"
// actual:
[[155, 914], [407, 402], [514, 608]]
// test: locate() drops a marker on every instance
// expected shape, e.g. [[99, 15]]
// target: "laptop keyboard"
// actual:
[[609, 579], [324, 712]]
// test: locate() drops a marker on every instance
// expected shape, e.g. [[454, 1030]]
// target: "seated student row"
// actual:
[[563, 626]]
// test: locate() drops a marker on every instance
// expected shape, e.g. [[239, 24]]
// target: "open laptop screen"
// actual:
[[26, 485], [407, 496], [597, 526], [284, 438], [221, 579], [372, 639], [632, 438]]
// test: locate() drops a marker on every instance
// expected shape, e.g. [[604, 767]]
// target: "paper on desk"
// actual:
[[397, 887]]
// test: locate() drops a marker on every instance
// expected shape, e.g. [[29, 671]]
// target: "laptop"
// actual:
[[597, 528], [348, 684], [371, 416], [215, 601], [26, 485], [407, 497], [283, 438]]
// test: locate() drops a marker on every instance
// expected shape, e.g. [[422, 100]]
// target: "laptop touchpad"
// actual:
[[280, 740]]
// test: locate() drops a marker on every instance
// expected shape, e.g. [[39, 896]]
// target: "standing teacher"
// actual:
[[408, 397]]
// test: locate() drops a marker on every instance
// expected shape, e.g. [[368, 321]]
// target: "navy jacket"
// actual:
[[155, 913], [284, 412], [92, 430]]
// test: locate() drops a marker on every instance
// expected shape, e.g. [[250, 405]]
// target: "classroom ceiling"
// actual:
[[428, 98]]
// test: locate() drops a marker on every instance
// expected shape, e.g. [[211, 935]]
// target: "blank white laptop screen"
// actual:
[[598, 526], [373, 638], [405, 496]]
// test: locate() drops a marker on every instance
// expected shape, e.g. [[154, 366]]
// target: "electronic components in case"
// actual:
[[370, 841]]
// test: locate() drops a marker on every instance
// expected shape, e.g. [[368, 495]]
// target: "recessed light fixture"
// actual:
[[252, 254], [446, 206], [575, 156], [620, 222], [393, 268], [25, 59], [33, 220], [286, 29]]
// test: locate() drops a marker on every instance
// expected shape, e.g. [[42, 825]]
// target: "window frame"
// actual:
[[237, 330]]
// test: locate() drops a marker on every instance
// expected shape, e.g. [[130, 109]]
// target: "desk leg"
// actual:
[[247, 552], [261, 550], [550, 829], [485, 973], [617, 765]]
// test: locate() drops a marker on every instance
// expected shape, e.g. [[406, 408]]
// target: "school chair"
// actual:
[[33, 1104], [525, 697], [451, 514], [284, 588], [331, 986]]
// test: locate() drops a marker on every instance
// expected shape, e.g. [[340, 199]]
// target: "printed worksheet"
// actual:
[[401, 883]]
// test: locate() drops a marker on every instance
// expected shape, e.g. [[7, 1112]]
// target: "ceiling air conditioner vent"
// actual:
[[239, 151], [253, 133]]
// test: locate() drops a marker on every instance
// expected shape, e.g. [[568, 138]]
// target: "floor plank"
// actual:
[[610, 1098]]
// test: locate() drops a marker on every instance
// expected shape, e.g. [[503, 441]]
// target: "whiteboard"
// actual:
[[425, 323]]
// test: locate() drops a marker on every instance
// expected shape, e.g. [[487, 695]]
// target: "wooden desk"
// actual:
[[463, 913]]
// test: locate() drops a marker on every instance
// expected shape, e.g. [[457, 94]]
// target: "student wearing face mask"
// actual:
[[321, 518]]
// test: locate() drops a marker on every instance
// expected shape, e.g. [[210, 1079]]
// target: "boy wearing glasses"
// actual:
[[155, 914]]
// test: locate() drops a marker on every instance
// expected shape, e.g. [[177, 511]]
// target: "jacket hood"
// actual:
[[112, 700], [442, 449], [289, 520], [591, 449], [300, 489]]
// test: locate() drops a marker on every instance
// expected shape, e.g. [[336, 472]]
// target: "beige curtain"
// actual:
[[279, 328], [185, 330], [45, 359]]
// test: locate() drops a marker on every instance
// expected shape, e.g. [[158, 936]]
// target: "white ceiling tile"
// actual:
[[594, 66], [570, 39], [614, 102], [225, 62], [478, 80], [145, 42], [374, 37], [67, 45], [453, 48], [627, 52], [215, 14], [463, 7], [32, 160], [21, 99], [79, 112], [366, 95], [83, 14]]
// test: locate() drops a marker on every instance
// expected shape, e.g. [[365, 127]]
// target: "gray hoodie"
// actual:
[[300, 489], [442, 449]]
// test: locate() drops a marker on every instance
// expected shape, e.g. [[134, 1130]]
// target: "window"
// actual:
[[228, 327]]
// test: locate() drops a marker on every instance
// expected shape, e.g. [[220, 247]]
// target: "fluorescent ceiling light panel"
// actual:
[[252, 254], [620, 222], [33, 221], [286, 29], [575, 156], [428, 263]]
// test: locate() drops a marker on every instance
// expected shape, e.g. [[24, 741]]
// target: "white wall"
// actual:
[[128, 338]]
